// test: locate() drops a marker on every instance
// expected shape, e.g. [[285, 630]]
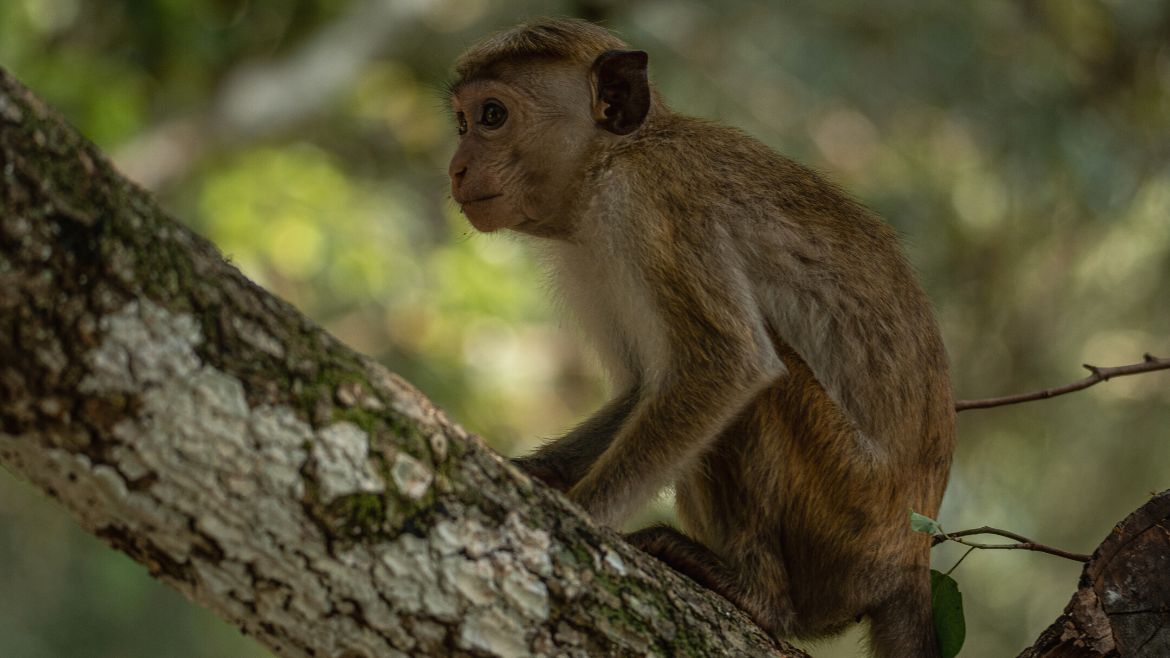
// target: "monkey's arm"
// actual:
[[669, 428], [562, 462], [714, 354]]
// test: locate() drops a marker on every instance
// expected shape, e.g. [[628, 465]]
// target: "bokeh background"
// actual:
[[1021, 147]]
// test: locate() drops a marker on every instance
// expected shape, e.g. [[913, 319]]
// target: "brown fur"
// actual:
[[776, 360]]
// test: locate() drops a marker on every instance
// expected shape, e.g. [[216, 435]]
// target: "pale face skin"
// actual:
[[524, 137]]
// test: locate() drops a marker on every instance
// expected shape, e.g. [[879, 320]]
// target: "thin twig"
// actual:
[[964, 557], [1024, 544], [1097, 375]]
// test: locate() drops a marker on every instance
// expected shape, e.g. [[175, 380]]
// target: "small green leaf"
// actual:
[[946, 602], [921, 523]]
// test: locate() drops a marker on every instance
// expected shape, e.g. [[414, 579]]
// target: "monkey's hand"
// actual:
[[544, 471]]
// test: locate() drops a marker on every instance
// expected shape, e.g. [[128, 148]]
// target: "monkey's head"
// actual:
[[534, 106]]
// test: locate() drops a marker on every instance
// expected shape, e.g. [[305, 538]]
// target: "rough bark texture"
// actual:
[[294, 487], [1122, 606]]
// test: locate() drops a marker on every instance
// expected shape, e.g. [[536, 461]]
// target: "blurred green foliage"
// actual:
[[1022, 148]]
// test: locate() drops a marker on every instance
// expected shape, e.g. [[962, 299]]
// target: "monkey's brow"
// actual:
[[452, 87], [456, 86]]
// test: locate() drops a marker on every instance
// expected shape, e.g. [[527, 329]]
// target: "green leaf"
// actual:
[[922, 523], [946, 602]]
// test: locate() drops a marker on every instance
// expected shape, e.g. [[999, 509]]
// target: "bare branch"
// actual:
[[1098, 374], [960, 561], [1023, 543]]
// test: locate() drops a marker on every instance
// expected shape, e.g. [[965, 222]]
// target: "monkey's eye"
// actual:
[[461, 121], [493, 115]]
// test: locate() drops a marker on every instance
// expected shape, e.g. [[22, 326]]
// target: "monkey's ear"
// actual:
[[623, 90]]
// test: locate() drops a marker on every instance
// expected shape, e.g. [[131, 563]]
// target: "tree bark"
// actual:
[[1122, 605], [297, 489], [311, 497]]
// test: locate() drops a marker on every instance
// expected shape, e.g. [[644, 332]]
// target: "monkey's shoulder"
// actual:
[[696, 166]]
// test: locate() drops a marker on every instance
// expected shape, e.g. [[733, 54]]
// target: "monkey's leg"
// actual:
[[903, 624], [699, 563], [561, 462]]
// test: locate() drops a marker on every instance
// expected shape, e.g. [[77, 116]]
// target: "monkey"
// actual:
[[772, 354]]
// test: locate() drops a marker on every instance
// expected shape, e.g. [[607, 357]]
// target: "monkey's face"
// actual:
[[523, 135], [529, 131]]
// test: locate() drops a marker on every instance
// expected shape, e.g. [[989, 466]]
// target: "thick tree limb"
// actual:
[[295, 488], [1122, 608]]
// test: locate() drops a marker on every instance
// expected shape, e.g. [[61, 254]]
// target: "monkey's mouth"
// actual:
[[486, 216], [489, 197]]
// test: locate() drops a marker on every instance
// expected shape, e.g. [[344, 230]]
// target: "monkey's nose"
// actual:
[[457, 176], [457, 168]]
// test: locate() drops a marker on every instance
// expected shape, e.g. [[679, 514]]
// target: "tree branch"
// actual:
[[1097, 375], [1023, 543], [295, 488], [1122, 603]]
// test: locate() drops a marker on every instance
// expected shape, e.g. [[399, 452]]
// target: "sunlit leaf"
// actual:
[[923, 523]]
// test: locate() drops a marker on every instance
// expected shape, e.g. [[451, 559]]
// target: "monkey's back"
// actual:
[[811, 483], [827, 273]]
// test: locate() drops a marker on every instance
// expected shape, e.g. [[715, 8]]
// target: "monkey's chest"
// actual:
[[612, 305]]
